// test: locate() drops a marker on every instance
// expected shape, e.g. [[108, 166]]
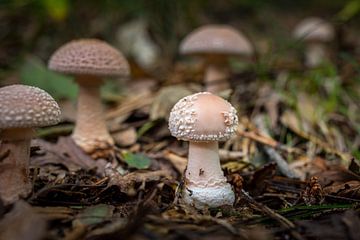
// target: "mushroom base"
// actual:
[[96, 148], [213, 196]]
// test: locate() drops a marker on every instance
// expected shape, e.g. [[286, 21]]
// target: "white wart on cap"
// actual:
[[203, 117], [216, 39], [89, 57], [27, 107]]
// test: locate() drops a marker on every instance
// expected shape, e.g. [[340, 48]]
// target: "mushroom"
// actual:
[[22, 108], [215, 43], [316, 33], [90, 60], [203, 119]]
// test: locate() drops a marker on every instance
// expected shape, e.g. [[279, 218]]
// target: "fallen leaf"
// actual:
[[350, 189], [137, 160], [165, 99], [22, 222], [95, 214]]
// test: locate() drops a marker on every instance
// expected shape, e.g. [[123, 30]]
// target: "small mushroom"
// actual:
[[90, 60], [22, 108], [215, 43], [203, 119], [316, 33]]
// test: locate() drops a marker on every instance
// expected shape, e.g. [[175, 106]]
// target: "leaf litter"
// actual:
[[291, 167]]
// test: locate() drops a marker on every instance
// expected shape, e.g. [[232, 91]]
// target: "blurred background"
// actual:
[[36, 28], [149, 33]]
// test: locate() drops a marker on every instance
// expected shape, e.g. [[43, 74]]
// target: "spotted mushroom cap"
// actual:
[[216, 39], [203, 117], [89, 57], [314, 29], [24, 106]]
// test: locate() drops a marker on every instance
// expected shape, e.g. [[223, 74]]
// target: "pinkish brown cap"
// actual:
[[314, 29], [89, 57], [203, 117], [216, 39], [24, 106]]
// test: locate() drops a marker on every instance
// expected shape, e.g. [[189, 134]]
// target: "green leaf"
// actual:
[[95, 214], [35, 73], [146, 127], [58, 10], [137, 160], [350, 10]]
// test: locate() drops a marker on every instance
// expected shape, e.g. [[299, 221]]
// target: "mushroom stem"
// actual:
[[90, 131], [200, 173], [205, 184], [315, 54], [14, 164], [216, 75]]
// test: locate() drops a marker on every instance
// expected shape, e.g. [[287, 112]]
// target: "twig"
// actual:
[[346, 157], [267, 141], [130, 105], [56, 130], [275, 156], [274, 215], [226, 155]]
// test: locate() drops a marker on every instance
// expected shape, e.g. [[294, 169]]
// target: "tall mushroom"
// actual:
[[22, 108], [203, 119], [90, 60], [215, 43], [316, 33]]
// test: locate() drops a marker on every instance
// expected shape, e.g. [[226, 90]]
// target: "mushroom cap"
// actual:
[[314, 29], [203, 117], [24, 106], [89, 57], [216, 39]]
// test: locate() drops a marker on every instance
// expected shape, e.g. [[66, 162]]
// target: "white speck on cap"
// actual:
[[314, 29], [216, 39], [89, 57], [26, 106], [203, 117]]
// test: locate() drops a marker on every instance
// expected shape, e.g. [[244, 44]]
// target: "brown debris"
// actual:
[[313, 194], [22, 222], [66, 153], [334, 227], [127, 182]]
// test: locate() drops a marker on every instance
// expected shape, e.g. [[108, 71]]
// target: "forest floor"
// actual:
[[293, 165]]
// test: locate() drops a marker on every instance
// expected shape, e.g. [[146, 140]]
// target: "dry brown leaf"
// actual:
[[165, 99], [66, 153], [178, 162], [126, 182], [22, 222], [350, 189]]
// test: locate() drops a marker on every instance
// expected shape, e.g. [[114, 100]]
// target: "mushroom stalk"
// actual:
[[205, 184], [197, 172], [216, 78], [14, 163], [315, 54], [216, 74], [90, 118]]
